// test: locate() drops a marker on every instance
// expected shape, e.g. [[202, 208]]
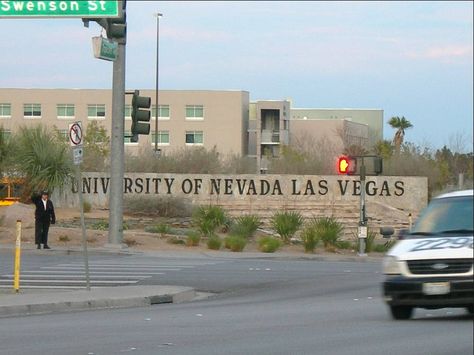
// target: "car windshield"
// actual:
[[446, 216]]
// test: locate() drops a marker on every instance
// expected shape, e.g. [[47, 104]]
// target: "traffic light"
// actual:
[[140, 115], [116, 27], [347, 165]]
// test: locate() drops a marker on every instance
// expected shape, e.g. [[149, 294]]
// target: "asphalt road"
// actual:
[[260, 306]]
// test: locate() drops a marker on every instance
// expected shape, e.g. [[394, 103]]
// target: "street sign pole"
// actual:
[[76, 139], [117, 149], [83, 227]]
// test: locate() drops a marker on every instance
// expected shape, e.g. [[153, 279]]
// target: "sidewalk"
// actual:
[[102, 298], [279, 255]]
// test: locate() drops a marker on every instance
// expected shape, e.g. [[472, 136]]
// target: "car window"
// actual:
[[446, 215]]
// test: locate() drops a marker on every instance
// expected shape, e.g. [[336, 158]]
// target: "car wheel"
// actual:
[[470, 309], [401, 312]]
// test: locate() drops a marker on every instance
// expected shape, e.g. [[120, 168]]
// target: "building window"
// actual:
[[194, 112], [63, 135], [194, 138], [127, 138], [6, 134], [32, 110], [163, 138], [96, 112], [65, 110], [163, 112], [5, 110], [128, 112]]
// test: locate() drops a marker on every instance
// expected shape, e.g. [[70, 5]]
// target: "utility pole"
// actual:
[[117, 167], [158, 15]]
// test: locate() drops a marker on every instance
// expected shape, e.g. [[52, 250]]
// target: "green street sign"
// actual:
[[104, 48], [40, 9]]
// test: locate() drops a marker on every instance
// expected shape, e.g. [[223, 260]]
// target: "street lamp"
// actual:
[[157, 15]]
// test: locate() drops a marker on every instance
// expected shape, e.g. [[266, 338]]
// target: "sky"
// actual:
[[411, 59]]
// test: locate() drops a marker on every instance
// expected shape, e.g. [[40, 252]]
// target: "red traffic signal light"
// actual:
[[347, 165]]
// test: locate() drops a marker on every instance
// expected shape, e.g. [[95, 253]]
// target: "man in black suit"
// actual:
[[44, 216]]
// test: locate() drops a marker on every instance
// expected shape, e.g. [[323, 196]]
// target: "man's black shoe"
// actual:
[[39, 246], [46, 247]]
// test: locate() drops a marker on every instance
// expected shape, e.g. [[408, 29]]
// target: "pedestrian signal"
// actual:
[[347, 165]]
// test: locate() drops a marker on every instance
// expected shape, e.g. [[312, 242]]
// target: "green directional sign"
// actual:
[[104, 48], [81, 8]]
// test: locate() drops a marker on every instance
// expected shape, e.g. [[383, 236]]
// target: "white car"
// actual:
[[432, 265]]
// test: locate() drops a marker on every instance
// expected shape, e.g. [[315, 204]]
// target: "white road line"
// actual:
[[92, 272], [139, 277], [103, 267], [50, 287], [130, 265], [74, 281]]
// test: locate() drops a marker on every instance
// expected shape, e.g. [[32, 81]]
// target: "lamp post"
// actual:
[[157, 15]]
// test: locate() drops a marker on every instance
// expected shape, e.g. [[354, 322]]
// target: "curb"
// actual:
[[107, 298]]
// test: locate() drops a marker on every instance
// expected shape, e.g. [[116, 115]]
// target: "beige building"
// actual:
[[362, 127], [224, 119], [186, 118]]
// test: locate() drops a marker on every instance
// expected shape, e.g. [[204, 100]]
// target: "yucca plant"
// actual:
[[42, 159], [214, 242], [286, 224], [269, 244], [235, 243], [193, 239], [208, 218], [329, 230], [245, 226], [309, 236]]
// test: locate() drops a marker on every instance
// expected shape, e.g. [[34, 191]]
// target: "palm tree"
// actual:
[[42, 159], [400, 123]]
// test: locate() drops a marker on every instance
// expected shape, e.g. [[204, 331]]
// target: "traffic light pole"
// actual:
[[362, 235], [117, 149]]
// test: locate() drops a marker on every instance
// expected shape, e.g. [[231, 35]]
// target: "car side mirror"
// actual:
[[387, 232]]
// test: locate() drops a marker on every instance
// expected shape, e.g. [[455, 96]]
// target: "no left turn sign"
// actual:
[[75, 134]]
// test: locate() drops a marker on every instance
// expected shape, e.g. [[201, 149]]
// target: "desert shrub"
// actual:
[[193, 238], [129, 241], [157, 206], [235, 243], [245, 226], [309, 237], [92, 239], [329, 230], [269, 244], [175, 240], [383, 248], [345, 244], [214, 242], [161, 229], [64, 238], [227, 224], [103, 225], [286, 224], [208, 218], [370, 241], [86, 206], [100, 225]]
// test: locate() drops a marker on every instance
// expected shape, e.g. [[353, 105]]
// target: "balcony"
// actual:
[[270, 137], [274, 137]]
